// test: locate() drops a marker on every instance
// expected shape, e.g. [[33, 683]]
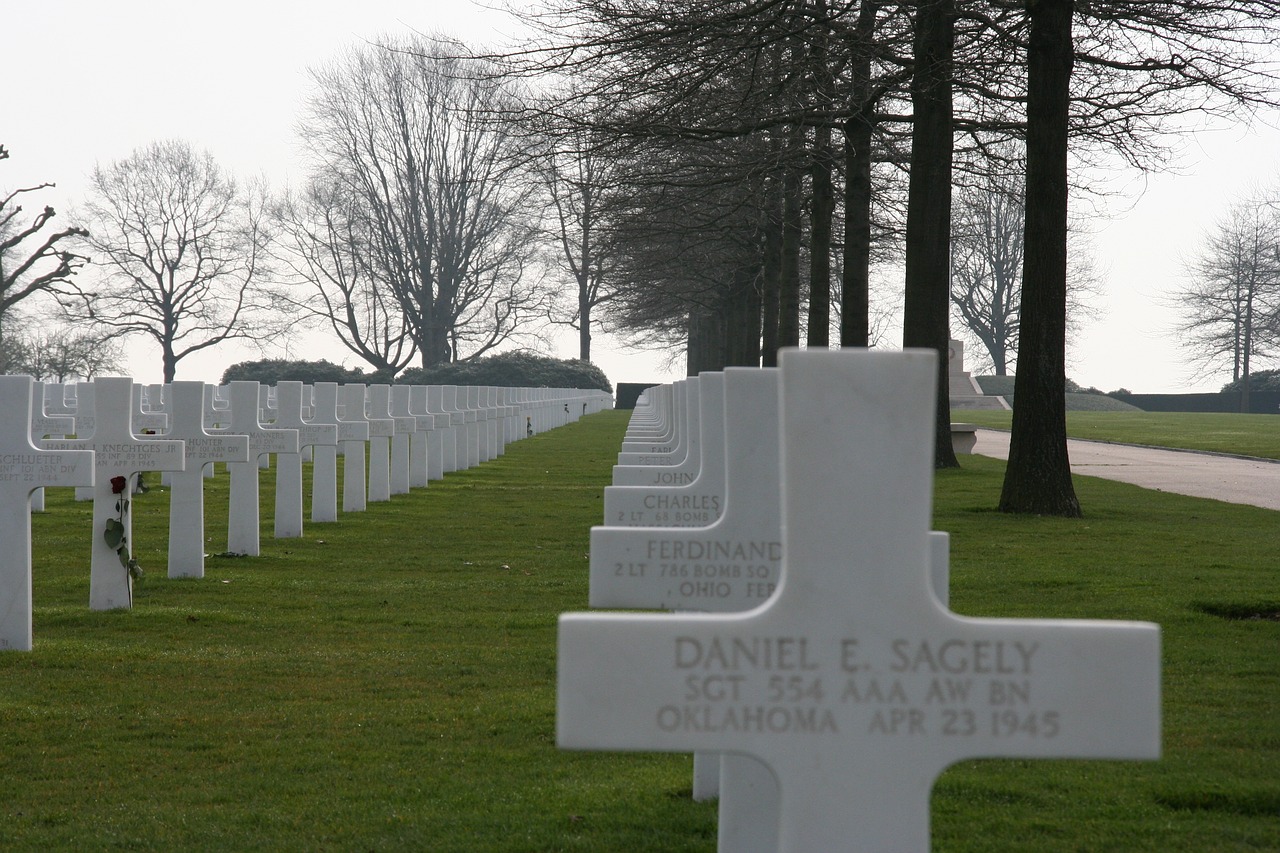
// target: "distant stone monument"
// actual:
[[964, 390]]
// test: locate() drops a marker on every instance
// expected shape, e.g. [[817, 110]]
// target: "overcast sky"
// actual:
[[89, 81]]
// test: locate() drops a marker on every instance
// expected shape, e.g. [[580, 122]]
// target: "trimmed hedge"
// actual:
[[512, 370], [272, 370]]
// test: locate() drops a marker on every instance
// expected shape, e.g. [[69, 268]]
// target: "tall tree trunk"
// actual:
[[1038, 476], [823, 203], [822, 188], [789, 279], [696, 342], [754, 311], [742, 321], [855, 292], [169, 362], [927, 306], [584, 330], [771, 273]]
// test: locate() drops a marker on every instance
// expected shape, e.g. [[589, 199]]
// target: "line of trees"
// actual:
[[761, 149], [722, 177]]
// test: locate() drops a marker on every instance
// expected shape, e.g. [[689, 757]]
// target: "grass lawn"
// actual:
[[387, 682], [1244, 435]]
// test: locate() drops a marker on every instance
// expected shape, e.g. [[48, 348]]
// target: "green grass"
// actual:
[[1244, 435], [387, 682]]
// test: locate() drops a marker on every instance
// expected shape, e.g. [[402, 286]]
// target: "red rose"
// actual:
[[118, 484]]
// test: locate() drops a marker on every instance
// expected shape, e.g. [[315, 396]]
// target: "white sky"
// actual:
[[89, 81]]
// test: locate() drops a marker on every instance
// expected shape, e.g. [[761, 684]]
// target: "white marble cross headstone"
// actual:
[[444, 427], [695, 504], [243, 534], [355, 483], [324, 472], [382, 405], [81, 395], [46, 425], [449, 398], [186, 494], [677, 466], [409, 447], [382, 428], [24, 467], [854, 683], [288, 516], [469, 449], [118, 453], [424, 449], [732, 565]]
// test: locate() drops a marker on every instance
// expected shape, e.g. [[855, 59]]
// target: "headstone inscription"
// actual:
[[266, 415], [289, 401], [46, 426], [186, 487], [732, 565], [243, 534], [118, 456], [696, 504], [81, 395], [854, 684], [25, 467], [680, 466]]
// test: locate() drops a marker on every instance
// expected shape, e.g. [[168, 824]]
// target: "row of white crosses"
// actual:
[[825, 666], [422, 432]]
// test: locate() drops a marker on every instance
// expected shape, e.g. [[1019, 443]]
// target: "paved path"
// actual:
[[1202, 475]]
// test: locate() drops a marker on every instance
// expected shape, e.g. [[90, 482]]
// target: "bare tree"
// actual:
[[987, 220], [577, 176], [986, 264], [181, 249], [414, 134], [325, 248], [62, 353], [1232, 304], [33, 259], [15, 352]]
